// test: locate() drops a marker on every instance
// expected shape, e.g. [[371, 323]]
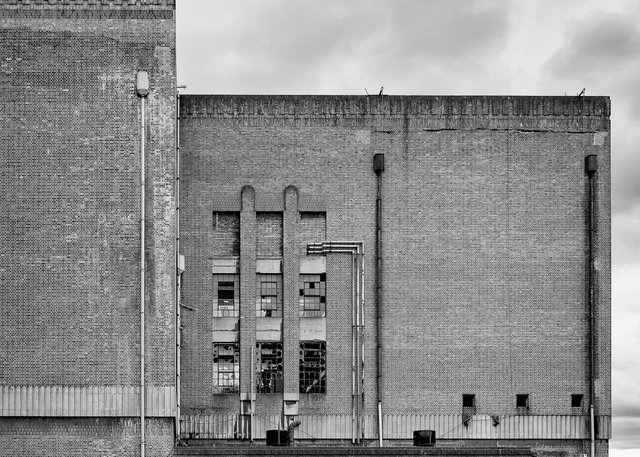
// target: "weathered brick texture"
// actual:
[[82, 437], [70, 180], [484, 236]]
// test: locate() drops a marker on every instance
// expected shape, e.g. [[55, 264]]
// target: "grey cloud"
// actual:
[[627, 411], [601, 43], [626, 186], [626, 433], [292, 46]]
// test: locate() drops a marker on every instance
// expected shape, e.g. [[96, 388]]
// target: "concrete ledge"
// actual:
[[263, 450]]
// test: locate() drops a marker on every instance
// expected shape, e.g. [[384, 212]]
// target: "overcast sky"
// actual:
[[445, 47]]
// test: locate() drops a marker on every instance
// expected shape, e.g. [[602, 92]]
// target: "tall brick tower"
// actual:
[[72, 139]]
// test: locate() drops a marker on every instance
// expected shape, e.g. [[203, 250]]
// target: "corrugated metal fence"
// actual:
[[398, 426], [86, 401]]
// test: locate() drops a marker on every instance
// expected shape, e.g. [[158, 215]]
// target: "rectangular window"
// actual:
[[226, 295], [313, 295], [269, 368], [522, 401], [468, 401], [313, 367], [269, 295], [226, 367], [576, 400]]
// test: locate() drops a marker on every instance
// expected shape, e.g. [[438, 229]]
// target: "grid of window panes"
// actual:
[[226, 367], [269, 368], [313, 295], [226, 295], [313, 367], [269, 295]]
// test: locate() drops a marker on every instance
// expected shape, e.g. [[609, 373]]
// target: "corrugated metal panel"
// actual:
[[335, 426], [604, 427], [481, 427], [210, 427], [86, 401], [400, 426], [226, 426]]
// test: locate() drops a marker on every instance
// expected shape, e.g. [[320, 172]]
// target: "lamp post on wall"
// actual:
[[142, 90]]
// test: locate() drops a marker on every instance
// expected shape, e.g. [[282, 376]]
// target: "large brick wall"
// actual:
[[70, 181], [484, 235], [83, 437]]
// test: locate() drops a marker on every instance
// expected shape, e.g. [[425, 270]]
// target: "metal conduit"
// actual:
[[178, 336], [378, 168], [356, 249], [591, 166], [142, 90]]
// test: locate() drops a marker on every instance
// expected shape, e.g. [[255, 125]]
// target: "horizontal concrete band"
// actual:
[[97, 4], [355, 105], [86, 401], [389, 113], [446, 426]]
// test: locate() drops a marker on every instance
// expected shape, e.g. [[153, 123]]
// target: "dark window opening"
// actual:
[[522, 401], [468, 401], [226, 295], [313, 367], [226, 367], [269, 368], [576, 400], [313, 295]]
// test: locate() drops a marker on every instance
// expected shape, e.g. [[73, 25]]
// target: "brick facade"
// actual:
[[484, 242], [484, 254], [70, 180]]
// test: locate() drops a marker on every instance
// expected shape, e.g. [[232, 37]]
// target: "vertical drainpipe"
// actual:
[[142, 90], [179, 267], [378, 168], [591, 166]]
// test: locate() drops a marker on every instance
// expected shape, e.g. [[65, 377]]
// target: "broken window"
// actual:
[[313, 367], [269, 299], [269, 368], [226, 367], [468, 408], [313, 295], [226, 295]]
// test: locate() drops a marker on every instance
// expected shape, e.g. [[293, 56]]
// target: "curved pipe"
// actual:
[[356, 249]]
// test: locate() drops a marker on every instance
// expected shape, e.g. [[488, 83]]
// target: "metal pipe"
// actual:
[[354, 376], [356, 249], [251, 396], [142, 90], [357, 345], [378, 168], [361, 341], [178, 335], [591, 166]]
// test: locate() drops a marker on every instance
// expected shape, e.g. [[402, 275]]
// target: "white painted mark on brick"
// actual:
[[599, 138]]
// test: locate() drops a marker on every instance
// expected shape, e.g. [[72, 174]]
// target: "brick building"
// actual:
[[363, 267], [452, 285], [70, 124]]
